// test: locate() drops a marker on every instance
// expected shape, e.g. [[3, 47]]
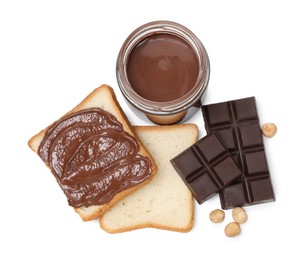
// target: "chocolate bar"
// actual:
[[236, 123], [206, 167]]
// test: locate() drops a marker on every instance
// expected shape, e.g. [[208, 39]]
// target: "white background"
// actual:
[[54, 53]]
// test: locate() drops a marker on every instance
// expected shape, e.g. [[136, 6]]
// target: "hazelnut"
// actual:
[[217, 215], [239, 215], [269, 129], [232, 229]]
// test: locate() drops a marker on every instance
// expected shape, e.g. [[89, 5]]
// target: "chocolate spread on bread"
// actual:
[[92, 157]]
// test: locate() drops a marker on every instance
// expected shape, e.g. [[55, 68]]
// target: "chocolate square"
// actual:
[[242, 136], [253, 167], [206, 167], [250, 136], [192, 165]]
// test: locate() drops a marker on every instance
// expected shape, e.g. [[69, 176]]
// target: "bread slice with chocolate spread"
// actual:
[[166, 202], [94, 154]]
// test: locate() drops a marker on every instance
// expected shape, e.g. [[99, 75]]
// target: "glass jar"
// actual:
[[169, 111]]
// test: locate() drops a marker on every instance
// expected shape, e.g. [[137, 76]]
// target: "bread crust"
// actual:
[[102, 97], [154, 224]]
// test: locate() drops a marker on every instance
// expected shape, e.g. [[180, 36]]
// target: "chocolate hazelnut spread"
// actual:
[[162, 67], [92, 157]]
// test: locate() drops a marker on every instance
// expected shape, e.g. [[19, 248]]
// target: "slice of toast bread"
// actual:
[[102, 97], [165, 203]]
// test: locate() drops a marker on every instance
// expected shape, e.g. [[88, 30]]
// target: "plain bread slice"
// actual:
[[166, 202]]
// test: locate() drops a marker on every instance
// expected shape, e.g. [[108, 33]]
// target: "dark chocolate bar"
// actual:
[[206, 167], [236, 123]]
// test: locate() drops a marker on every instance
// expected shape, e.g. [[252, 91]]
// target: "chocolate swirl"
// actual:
[[92, 157]]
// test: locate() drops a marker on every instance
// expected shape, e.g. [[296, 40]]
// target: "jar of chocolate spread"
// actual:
[[163, 71]]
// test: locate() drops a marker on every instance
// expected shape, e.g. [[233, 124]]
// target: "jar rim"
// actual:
[[168, 107]]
